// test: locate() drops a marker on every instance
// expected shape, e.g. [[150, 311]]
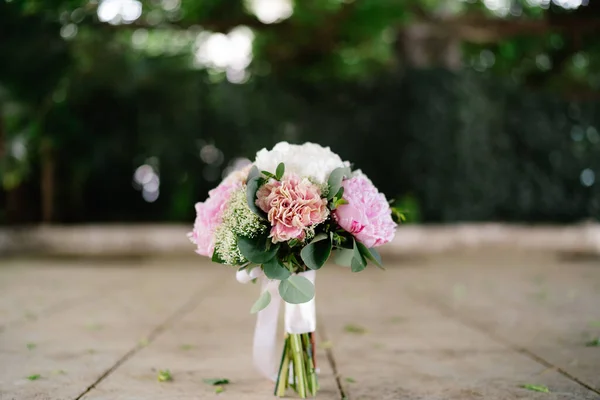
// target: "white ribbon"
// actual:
[[299, 318]]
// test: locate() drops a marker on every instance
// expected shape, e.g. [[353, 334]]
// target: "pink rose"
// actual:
[[209, 214], [292, 205], [367, 216]]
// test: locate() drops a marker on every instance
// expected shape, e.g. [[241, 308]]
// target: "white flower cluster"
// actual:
[[238, 219], [306, 160]]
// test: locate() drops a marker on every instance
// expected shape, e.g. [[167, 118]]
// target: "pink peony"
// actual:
[[209, 214], [367, 216], [292, 205]]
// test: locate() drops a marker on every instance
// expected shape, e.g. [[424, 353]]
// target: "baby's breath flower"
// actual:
[[238, 219], [323, 187], [226, 246]]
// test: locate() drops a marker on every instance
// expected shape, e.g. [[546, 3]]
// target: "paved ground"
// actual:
[[468, 326]]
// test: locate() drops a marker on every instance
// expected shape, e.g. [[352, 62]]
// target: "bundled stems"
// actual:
[[298, 360]]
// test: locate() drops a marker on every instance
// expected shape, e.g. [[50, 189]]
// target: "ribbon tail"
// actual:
[[266, 356]]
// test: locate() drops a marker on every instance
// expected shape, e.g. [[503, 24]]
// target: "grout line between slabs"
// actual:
[[186, 308], [331, 360], [471, 323]]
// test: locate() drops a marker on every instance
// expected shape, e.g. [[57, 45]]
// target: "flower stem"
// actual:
[[282, 377], [310, 364], [299, 371]]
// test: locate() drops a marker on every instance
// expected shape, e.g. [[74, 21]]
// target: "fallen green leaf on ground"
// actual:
[[93, 326], [351, 328], [219, 389], [143, 342], [593, 343], [31, 346], [186, 347], [541, 295], [326, 344], [217, 381], [350, 380], [30, 315], [165, 376], [459, 291], [34, 377], [536, 388]]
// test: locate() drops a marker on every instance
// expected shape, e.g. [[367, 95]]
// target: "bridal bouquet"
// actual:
[[279, 220]]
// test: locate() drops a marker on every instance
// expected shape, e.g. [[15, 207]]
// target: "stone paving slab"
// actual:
[[462, 326], [27, 293], [546, 306], [212, 341], [71, 350], [411, 350]]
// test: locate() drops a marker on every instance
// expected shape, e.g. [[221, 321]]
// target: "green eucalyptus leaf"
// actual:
[[370, 254], [253, 173], [296, 290], [251, 188], [316, 253], [335, 180], [280, 171], [343, 257], [358, 262], [262, 302], [274, 269], [255, 250]]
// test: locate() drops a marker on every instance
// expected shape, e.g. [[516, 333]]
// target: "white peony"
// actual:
[[307, 160]]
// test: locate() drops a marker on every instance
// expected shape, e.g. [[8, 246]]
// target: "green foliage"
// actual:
[[164, 376], [217, 381], [280, 171], [358, 262], [536, 388], [335, 72], [262, 302], [335, 182], [34, 377], [253, 185], [343, 257], [356, 329], [370, 254], [296, 289], [316, 253], [274, 269], [256, 250], [593, 343]]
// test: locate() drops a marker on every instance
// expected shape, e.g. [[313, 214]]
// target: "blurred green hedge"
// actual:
[[456, 147]]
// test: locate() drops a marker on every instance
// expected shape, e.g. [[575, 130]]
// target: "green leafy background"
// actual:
[[492, 115]]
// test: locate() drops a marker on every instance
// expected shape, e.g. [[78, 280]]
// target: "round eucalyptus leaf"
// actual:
[[296, 290], [262, 302], [254, 249], [274, 269]]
